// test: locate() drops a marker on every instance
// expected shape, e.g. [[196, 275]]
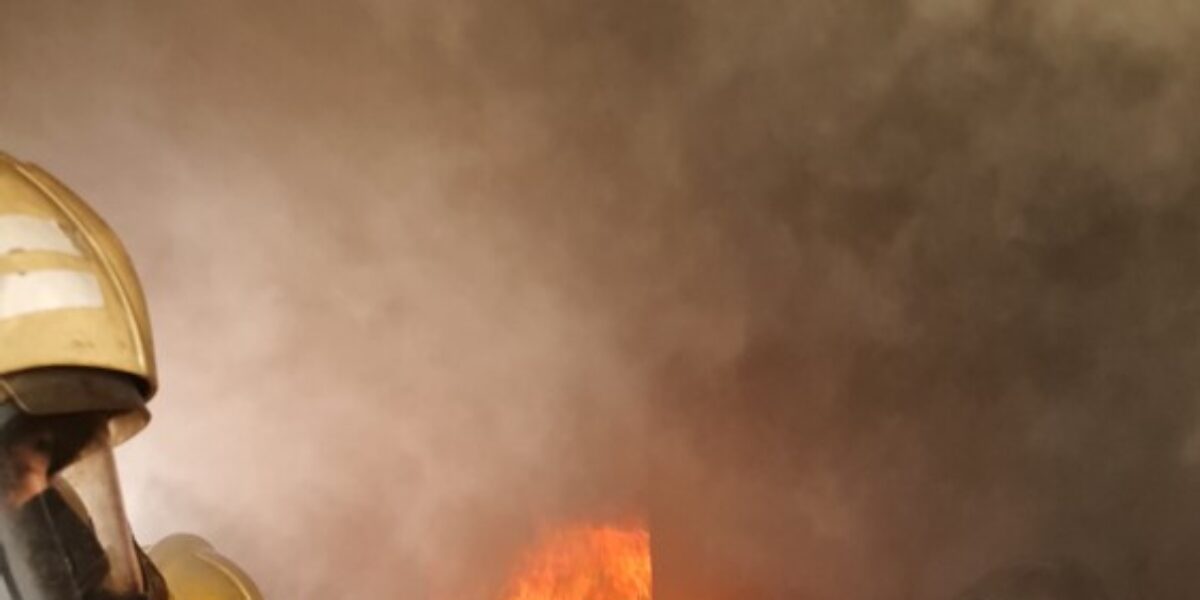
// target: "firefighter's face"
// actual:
[[35, 448], [30, 460]]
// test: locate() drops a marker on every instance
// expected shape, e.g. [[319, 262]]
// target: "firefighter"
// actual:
[[76, 372]]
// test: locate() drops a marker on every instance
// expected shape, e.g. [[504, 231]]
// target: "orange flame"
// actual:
[[585, 562]]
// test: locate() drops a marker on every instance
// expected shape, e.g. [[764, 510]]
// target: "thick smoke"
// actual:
[[858, 300], [970, 321]]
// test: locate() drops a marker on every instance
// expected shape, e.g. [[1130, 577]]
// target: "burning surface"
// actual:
[[585, 562]]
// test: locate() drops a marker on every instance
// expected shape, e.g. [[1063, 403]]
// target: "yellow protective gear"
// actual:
[[193, 570]]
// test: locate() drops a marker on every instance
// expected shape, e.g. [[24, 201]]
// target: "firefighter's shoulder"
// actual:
[[193, 570]]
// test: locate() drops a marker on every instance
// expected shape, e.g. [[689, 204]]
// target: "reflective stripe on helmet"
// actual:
[[30, 292], [23, 233]]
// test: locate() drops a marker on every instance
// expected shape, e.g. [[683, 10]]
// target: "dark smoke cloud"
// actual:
[[860, 300], [971, 326]]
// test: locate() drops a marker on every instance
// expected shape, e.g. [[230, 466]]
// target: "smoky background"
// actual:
[[852, 300]]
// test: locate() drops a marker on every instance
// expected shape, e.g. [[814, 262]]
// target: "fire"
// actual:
[[586, 562]]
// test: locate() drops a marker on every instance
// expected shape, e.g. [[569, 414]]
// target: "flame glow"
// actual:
[[586, 562]]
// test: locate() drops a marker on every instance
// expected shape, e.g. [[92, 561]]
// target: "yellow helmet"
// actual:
[[70, 302], [76, 369]]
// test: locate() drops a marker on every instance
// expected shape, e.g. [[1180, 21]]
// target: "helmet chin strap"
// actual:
[[62, 557]]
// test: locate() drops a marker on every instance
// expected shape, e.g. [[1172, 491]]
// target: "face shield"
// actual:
[[63, 530]]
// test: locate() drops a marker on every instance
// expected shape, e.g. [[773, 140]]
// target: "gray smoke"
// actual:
[[852, 300]]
